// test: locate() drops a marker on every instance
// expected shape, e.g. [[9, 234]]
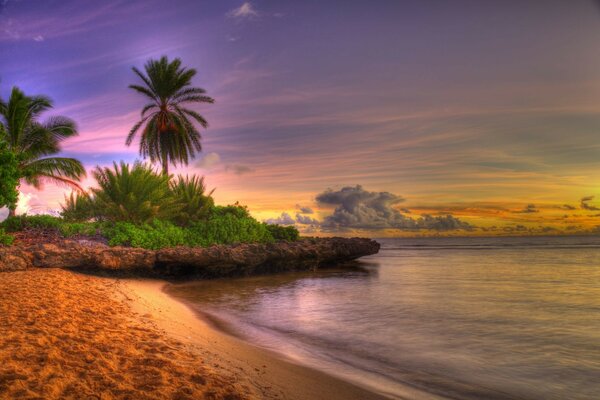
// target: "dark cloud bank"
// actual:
[[357, 208]]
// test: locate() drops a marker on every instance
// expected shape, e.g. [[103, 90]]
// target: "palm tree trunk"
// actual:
[[165, 165]]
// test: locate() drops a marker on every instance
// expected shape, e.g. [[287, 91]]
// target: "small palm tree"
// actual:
[[168, 136], [135, 193], [34, 142], [195, 202]]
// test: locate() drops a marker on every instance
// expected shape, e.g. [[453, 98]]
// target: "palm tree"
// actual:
[[169, 136], [34, 142]]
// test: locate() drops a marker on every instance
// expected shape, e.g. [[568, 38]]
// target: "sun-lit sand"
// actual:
[[70, 336], [67, 336]]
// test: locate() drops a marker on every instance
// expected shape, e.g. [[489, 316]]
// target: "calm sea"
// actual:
[[476, 318]]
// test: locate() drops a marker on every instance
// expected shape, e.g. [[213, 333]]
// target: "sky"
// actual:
[[381, 118]]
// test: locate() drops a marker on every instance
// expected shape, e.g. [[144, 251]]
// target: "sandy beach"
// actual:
[[65, 335]]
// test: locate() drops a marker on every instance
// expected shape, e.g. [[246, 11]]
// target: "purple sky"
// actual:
[[475, 108]]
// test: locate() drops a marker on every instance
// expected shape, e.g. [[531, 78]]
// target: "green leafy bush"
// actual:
[[189, 194], [223, 229], [69, 229], [136, 194], [236, 210], [21, 222], [226, 229], [156, 235], [279, 232], [5, 238]]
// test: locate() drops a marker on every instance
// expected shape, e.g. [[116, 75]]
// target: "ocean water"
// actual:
[[459, 318]]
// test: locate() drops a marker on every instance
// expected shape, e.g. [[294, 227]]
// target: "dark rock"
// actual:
[[209, 262]]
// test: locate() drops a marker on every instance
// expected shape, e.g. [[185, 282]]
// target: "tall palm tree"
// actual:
[[34, 142], [169, 135]]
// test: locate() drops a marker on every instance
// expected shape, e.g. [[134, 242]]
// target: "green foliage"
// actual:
[[189, 194], [22, 222], [222, 229], [135, 194], [6, 239], [9, 175], [34, 143], [79, 206], [168, 133], [279, 232], [69, 229], [236, 210], [156, 235], [226, 229]]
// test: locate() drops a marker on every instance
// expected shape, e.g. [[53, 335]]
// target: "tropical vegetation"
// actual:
[[9, 177], [168, 134], [34, 143], [131, 204], [136, 205]]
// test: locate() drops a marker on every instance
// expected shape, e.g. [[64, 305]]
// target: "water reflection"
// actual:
[[464, 318], [245, 291]]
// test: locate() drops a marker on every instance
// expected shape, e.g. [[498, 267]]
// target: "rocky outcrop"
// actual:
[[209, 262]]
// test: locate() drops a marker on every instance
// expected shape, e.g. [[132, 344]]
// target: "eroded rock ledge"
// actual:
[[209, 262]]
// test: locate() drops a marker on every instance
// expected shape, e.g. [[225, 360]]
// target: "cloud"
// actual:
[[585, 203], [245, 11], [209, 160], [38, 38], [360, 209], [442, 223], [304, 210], [306, 220], [238, 169], [283, 219], [528, 209], [567, 207]]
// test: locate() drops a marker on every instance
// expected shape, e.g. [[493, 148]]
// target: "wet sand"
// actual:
[[70, 336]]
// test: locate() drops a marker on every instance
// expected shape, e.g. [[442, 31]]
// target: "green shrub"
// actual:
[[279, 232], [156, 235], [193, 203], [236, 210], [226, 229], [5, 238], [223, 229], [69, 229], [21, 222], [136, 194]]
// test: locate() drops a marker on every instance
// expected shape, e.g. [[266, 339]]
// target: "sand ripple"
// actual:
[[68, 336]]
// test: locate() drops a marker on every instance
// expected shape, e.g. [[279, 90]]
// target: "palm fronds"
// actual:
[[135, 193], [167, 134], [190, 193], [34, 143]]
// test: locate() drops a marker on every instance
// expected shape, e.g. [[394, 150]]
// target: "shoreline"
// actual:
[[273, 376]]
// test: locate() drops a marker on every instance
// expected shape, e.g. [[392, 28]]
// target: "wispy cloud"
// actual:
[[245, 11], [528, 209], [238, 169], [209, 160], [585, 204]]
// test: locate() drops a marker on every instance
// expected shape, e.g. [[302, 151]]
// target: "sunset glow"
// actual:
[[487, 112]]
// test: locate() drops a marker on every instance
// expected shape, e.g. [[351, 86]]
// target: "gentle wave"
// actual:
[[518, 320]]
